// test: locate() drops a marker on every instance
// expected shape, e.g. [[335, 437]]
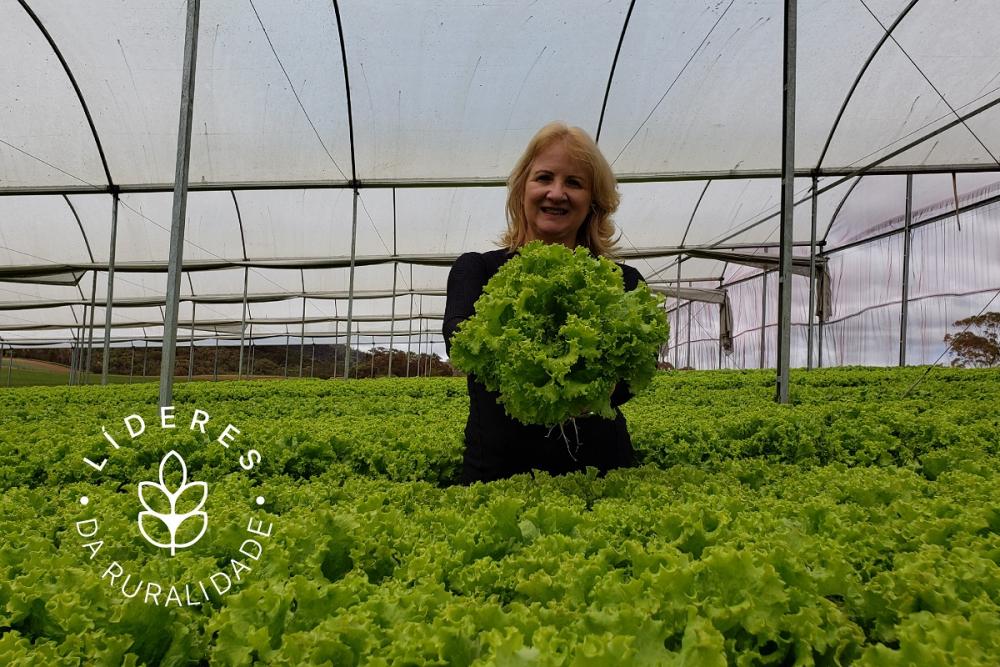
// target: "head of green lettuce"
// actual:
[[554, 331]]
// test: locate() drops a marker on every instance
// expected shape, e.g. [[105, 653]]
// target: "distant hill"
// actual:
[[320, 361]]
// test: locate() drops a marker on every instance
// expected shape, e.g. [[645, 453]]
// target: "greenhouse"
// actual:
[[421, 111], [809, 185]]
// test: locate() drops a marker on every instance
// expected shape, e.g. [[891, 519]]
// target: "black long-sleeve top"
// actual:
[[497, 445]]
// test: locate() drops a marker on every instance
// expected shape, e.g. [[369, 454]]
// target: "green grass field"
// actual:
[[34, 373], [30, 372]]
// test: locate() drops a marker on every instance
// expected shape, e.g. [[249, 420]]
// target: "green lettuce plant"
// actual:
[[554, 331]]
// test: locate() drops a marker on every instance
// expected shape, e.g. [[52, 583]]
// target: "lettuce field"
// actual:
[[858, 526]]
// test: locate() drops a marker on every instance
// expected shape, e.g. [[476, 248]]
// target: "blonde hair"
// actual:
[[598, 228]]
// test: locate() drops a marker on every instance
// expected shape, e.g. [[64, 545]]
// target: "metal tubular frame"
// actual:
[[787, 204], [409, 337], [395, 272], [812, 277], [246, 277], [354, 183], [689, 308], [180, 203], [857, 80], [350, 288], [250, 373], [611, 74], [913, 226], [191, 342], [904, 301], [243, 322], [871, 168], [677, 319], [843, 173], [76, 88], [72, 358], [302, 331], [819, 340], [93, 293], [109, 303], [763, 320]]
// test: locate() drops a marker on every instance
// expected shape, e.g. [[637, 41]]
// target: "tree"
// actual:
[[971, 348]]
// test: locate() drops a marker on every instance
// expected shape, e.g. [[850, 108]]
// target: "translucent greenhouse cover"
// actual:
[[683, 96]]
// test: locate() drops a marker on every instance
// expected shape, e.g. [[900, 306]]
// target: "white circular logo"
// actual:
[[173, 518]]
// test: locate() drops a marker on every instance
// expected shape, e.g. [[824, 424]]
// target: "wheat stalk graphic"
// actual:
[[172, 520]]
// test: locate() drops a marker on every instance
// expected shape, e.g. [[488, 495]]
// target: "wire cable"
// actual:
[[929, 82], [295, 92], [948, 349], [674, 82]]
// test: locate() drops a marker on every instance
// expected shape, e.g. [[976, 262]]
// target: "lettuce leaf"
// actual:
[[554, 331]]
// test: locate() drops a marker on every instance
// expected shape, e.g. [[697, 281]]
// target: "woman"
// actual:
[[562, 190]]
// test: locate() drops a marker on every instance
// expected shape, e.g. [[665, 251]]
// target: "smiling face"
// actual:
[[557, 196]]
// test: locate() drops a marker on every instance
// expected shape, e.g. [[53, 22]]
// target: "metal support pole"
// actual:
[[131, 365], [373, 357], [688, 364], [215, 364], [395, 270], [430, 354], [763, 320], [90, 343], [72, 359], [417, 354], [287, 343], [111, 288], [71, 376], [336, 335], [250, 342], [787, 205], [191, 344], [312, 362], [409, 337], [81, 373], [179, 213], [906, 270], [720, 329], [819, 340], [812, 276], [420, 336], [677, 318], [350, 288], [302, 336], [10, 367], [145, 354], [243, 322], [392, 321], [719, 363], [75, 358]]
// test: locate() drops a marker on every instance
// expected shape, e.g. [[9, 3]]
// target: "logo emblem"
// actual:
[[152, 495]]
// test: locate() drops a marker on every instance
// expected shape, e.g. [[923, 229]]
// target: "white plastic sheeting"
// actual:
[[443, 98]]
